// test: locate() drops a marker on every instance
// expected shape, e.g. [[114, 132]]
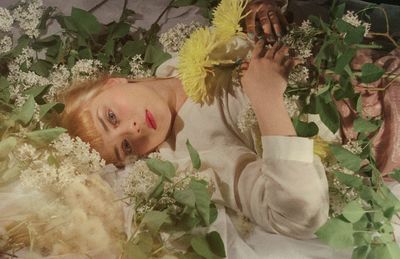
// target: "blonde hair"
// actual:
[[77, 119]]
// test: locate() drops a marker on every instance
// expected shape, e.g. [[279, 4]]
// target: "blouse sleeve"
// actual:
[[285, 191]]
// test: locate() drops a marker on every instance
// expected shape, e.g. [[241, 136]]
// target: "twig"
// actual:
[[123, 10], [385, 34], [164, 11], [97, 6]]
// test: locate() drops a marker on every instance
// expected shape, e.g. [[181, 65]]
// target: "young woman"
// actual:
[[284, 191]]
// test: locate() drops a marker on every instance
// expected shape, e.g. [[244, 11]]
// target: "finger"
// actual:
[[273, 17], [288, 65], [251, 25], [282, 20], [258, 49], [266, 24], [271, 52], [281, 55]]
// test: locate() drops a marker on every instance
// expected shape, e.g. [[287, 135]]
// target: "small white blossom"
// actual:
[[291, 105], [299, 75], [306, 27], [6, 20], [26, 152], [59, 80], [137, 68], [173, 39], [85, 69], [28, 16], [246, 119], [114, 70], [354, 147], [352, 18], [140, 180], [5, 44]]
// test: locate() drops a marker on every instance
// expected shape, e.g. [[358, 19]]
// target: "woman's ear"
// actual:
[[115, 81]]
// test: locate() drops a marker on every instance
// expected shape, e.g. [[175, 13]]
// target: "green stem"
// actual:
[[164, 11], [94, 8], [123, 10], [158, 250]]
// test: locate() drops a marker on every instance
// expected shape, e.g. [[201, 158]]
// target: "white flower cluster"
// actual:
[[85, 69], [28, 16], [352, 18], [6, 20], [300, 39], [59, 80], [114, 69], [291, 104], [173, 39], [354, 147], [21, 81], [298, 76], [247, 119], [69, 160], [137, 69], [5, 44], [339, 194]]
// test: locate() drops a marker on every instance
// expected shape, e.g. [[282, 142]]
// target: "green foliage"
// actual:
[[337, 233], [194, 156], [371, 73]]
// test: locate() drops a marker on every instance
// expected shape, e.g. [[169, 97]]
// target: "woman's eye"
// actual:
[[126, 147], [112, 118]]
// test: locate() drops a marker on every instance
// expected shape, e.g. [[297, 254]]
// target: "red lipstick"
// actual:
[[150, 121]]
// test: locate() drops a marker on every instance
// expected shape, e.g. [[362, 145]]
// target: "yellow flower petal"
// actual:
[[321, 147], [227, 16]]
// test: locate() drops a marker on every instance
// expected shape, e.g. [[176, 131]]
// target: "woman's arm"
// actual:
[[264, 83]]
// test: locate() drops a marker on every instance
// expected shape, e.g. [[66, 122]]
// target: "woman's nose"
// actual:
[[136, 127]]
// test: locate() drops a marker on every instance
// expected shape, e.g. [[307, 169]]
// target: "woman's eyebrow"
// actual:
[[102, 122]]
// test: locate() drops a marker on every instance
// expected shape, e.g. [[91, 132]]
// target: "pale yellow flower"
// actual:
[[226, 19], [321, 147], [195, 63]]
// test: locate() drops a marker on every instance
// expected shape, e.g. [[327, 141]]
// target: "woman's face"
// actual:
[[133, 119]]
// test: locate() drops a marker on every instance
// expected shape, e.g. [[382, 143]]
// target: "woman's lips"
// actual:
[[150, 121]]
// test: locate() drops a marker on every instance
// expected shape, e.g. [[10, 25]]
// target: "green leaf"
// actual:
[[185, 197], [346, 158], [216, 243], [355, 35], [6, 145], [161, 168], [158, 189], [194, 155], [133, 48], [155, 219], [360, 252], [202, 247], [155, 55], [349, 180], [362, 125], [119, 30], [86, 22], [396, 174], [336, 233], [4, 89], [26, 112], [328, 114], [353, 211], [44, 136], [134, 251], [45, 108], [384, 251], [304, 129], [338, 11], [370, 73], [36, 90], [343, 26], [344, 59], [9, 175], [42, 67], [200, 191]]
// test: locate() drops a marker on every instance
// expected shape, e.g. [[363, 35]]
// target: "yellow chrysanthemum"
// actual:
[[321, 147], [227, 16], [195, 63]]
